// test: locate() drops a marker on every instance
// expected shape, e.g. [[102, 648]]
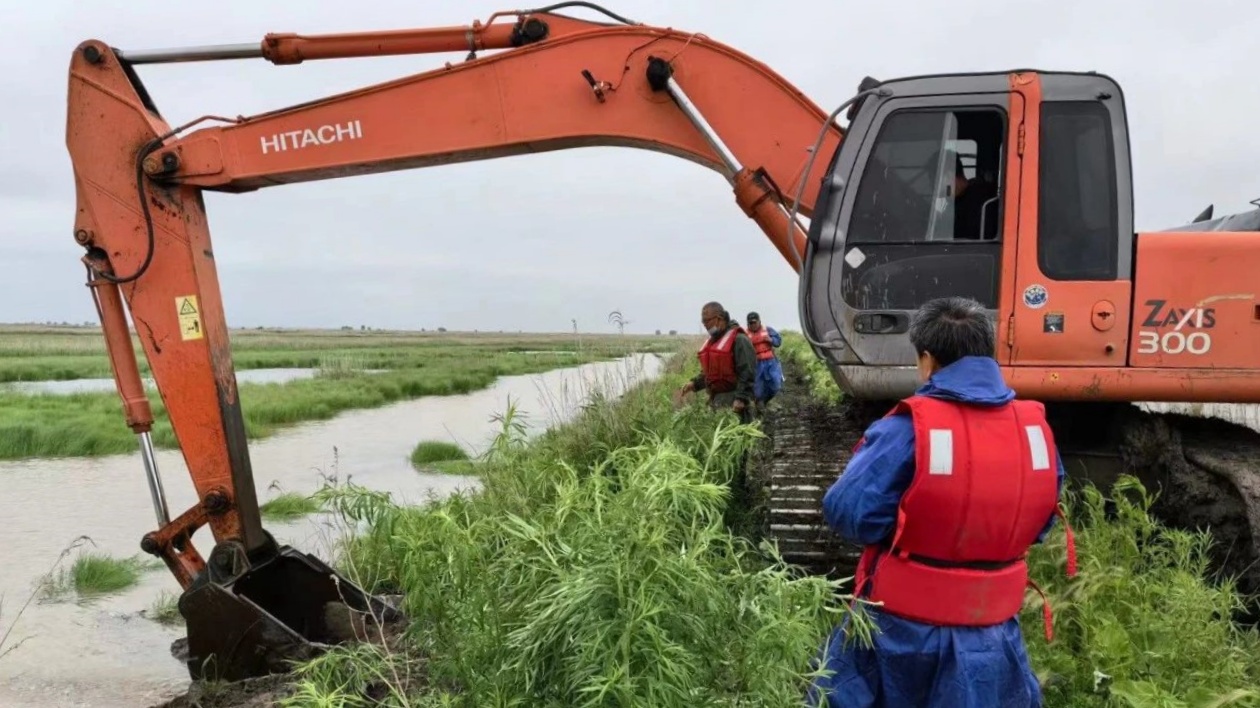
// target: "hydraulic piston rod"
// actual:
[[659, 73], [752, 193], [213, 52], [136, 407]]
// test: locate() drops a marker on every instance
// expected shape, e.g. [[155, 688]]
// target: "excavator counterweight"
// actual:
[[1012, 188]]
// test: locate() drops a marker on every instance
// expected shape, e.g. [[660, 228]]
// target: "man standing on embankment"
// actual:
[[728, 366], [769, 371], [946, 493]]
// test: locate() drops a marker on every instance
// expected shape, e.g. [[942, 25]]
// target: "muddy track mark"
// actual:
[[809, 443]]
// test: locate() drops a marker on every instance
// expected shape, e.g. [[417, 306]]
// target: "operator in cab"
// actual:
[[769, 371], [970, 197], [946, 493], [727, 364]]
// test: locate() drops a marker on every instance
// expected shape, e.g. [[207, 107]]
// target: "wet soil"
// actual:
[[263, 692], [1207, 476]]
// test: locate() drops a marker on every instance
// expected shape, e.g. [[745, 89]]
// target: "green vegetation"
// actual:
[[93, 574], [442, 456], [288, 506], [165, 609], [1140, 625], [356, 370], [38, 353], [595, 566], [819, 380], [599, 565]]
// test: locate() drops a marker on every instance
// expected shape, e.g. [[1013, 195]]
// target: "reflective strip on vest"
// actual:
[[1038, 448], [965, 523], [941, 452]]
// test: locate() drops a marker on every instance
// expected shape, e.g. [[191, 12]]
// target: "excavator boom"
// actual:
[[1013, 188], [559, 83]]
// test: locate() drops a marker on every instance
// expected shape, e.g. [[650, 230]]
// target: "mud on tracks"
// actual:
[[1206, 474], [809, 443]]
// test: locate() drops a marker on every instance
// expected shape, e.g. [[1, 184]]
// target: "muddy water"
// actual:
[[106, 653]]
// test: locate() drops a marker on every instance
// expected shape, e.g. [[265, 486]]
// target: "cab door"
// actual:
[[1072, 284], [919, 209]]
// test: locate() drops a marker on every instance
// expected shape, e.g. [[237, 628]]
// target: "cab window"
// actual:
[[926, 217]]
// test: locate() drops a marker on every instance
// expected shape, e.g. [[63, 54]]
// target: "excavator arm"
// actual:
[[559, 83]]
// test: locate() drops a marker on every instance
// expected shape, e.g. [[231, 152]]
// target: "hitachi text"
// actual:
[[323, 135]]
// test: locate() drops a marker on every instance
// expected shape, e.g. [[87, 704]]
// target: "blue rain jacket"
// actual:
[[911, 663], [769, 379]]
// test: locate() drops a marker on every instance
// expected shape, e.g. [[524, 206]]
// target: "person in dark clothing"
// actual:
[[970, 196], [769, 371], [728, 363]]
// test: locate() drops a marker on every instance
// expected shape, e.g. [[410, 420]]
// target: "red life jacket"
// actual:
[[985, 483], [762, 344], [717, 361]]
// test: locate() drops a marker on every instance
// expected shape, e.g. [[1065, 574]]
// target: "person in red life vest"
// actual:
[[946, 493], [769, 372], [727, 363]]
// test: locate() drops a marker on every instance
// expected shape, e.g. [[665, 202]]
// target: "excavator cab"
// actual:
[[1009, 188]]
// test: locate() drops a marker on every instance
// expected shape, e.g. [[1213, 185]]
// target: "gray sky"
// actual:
[[570, 233]]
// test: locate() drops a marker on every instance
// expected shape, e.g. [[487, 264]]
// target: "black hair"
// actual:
[[950, 328]]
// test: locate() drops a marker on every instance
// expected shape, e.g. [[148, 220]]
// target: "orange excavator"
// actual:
[[1013, 188]]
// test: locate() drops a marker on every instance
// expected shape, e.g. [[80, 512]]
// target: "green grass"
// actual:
[[821, 384], [429, 451], [444, 457], [93, 574], [165, 609], [594, 566], [1140, 625], [289, 506], [34, 353], [91, 424]]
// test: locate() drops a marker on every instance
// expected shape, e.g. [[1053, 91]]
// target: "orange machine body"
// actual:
[[1184, 328], [141, 216]]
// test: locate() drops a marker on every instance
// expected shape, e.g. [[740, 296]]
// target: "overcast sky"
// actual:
[[532, 242]]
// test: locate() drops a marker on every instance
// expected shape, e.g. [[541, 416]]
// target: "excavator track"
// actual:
[[1206, 470], [809, 442], [1203, 462]]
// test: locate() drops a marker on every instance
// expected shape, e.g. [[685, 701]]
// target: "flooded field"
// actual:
[[106, 653]]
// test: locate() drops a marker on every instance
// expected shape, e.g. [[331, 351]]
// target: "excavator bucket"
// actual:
[[289, 607]]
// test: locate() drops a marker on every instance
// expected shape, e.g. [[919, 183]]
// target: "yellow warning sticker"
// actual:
[[189, 317]]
